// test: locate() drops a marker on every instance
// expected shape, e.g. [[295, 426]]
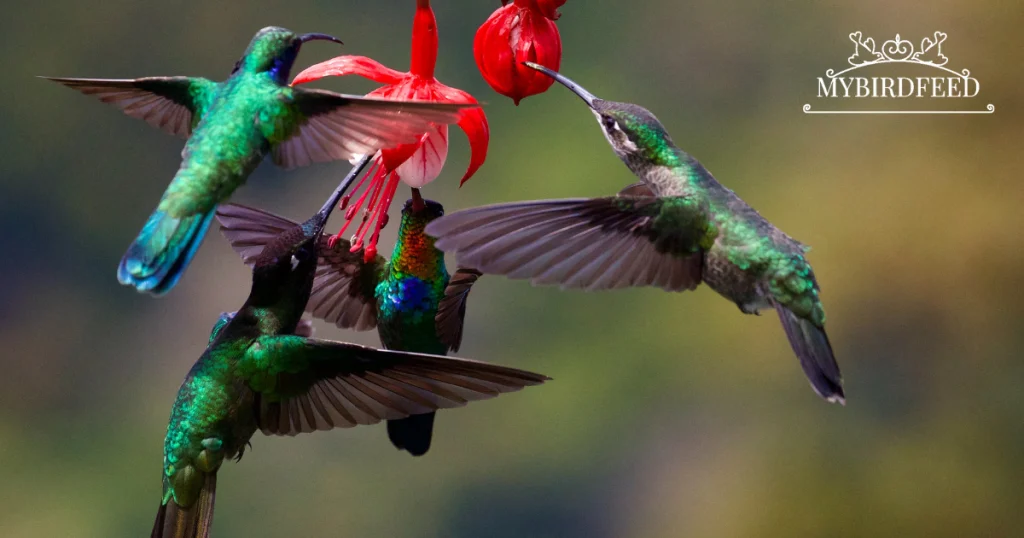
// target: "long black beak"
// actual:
[[332, 202], [587, 97], [318, 37]]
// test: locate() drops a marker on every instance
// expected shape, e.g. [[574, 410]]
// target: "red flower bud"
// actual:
[[521, 31]]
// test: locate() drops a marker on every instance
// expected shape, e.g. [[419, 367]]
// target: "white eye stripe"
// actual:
[[295, 262]]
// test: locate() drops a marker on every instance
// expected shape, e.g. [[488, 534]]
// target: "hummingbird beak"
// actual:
[[332, 202], [587, 97], [318, 37], [417, 201]]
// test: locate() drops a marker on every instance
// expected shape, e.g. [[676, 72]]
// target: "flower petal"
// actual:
[[474, 123], [349, 65], [425, 164]]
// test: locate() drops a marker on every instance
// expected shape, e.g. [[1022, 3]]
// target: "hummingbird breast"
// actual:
[[213, 412], [406, 307]]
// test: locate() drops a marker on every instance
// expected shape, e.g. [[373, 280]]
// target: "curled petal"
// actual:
[[425, 164], [474, 123], [349, 65]]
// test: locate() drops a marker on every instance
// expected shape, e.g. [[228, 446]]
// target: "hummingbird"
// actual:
[[412, 300], [231, 126], [259, 372], [675, 228]]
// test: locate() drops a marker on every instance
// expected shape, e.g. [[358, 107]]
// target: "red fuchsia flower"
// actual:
[[415, 164], [523, 31]]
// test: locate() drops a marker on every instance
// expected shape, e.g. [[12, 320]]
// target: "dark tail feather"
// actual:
[[412, 433], [815, 353], [160, 254], [173, 521]]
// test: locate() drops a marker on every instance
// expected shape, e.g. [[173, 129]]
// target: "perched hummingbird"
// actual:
[[258, 373], [231, 126], [674, 229], [411, 300]]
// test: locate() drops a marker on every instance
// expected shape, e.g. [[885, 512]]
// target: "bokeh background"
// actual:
[[670, 414]]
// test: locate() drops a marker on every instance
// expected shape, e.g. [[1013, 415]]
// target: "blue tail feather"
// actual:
[[160, 254]]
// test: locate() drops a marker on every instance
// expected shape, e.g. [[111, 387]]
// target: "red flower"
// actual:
[[522, 31], [415, 164]]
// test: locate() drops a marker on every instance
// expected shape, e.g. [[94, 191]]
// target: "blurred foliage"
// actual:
[[670, 415]]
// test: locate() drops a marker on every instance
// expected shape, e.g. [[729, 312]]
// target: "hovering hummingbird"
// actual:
[[674, 229], [259, 373], [231, 126], [411, 301]]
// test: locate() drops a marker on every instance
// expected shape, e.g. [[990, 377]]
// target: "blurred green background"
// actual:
[[670, 414]]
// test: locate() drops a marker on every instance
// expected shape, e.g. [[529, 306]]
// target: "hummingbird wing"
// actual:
[[306, 385], [343, 288], [170, 103], [451, 311], [590, 243], [249, 229], [640, 188], [334, 127]]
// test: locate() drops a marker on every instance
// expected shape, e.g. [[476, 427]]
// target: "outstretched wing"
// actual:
[[306, 385], [343, 288], [170, 103], [249, 229], [333, 126], [451, 312], [344, 284], [591, 243]]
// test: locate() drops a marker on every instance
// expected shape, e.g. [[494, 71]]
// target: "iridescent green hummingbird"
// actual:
[[231, 126], [674, 229], [260, 373], [411, 300]]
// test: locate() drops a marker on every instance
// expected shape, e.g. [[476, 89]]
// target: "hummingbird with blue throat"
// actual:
[[411, 300], [261, 371], [675, 228], [231, 126]]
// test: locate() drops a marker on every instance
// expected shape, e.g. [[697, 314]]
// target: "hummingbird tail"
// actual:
[[173, 521], [413, 433], [815, 353], [160, 254]]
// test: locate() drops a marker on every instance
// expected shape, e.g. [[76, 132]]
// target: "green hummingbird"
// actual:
[[411, 300], [260, 373], [231, 126], [674, 229]]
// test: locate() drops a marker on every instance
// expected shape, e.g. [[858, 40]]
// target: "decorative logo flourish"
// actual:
[[898, 51]]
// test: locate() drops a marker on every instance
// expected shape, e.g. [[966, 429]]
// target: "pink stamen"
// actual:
[[372, 208], [392, 187], [351, 212]]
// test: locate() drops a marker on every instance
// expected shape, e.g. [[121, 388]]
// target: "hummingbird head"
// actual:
[[636, 136], [422, 209], [286, 266], [273, 50]]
